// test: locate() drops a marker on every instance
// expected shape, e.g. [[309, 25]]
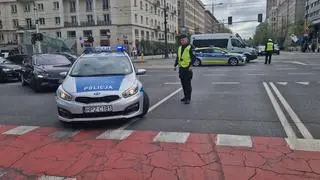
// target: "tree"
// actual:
[[261, 35]]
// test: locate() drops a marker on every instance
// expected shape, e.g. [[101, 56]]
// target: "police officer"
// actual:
[[185, 59], [269, 49]]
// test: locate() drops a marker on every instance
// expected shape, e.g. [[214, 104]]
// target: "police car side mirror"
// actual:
[[141, 71]]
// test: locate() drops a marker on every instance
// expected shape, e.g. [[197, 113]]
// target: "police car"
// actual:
[[215, 55], [101, 85]]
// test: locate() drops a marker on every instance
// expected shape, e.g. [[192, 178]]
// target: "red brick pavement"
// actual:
[[137, 157]]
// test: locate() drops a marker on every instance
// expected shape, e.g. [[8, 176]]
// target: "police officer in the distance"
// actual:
[[185, 59], [269, 48]]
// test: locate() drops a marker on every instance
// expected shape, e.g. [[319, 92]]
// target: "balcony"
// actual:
[[87, 23], [27, 27], [70, 24]]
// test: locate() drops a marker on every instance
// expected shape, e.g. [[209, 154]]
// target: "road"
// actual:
[[270, 111], [225, 100]]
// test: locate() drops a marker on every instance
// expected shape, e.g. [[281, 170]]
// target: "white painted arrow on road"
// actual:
[[303, 83], [282, 83]]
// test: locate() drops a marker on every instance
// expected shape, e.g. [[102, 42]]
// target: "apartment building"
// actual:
[[313, 13], [211, 23], [109, 22], [191, 16], [290, 12]]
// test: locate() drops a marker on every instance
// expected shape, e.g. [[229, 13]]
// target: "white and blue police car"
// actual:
[[102, 84]]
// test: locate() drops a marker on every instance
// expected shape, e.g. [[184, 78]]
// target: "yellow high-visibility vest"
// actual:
[[269, 46], [185, 60]]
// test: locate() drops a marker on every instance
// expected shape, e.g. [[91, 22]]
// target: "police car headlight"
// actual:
[[64, 95], [131, 91]]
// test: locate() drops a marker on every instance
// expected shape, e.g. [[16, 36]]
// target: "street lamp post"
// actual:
[[166, 55]]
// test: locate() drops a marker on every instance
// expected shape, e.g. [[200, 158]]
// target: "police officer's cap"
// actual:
[[183, 36]]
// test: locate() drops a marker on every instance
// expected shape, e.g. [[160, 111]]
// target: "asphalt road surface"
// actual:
[[277, 100]]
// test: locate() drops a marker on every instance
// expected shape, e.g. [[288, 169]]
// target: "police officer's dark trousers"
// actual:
[[186, 76], [268, 57]]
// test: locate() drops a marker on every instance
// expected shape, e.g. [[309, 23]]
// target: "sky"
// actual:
[[240, 10]]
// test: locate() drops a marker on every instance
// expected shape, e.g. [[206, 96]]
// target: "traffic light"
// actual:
[[230, 20], [260, 18]]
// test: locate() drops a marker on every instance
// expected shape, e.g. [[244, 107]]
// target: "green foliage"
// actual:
[[261, 35]]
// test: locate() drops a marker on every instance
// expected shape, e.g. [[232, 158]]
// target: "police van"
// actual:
[[228, 41]]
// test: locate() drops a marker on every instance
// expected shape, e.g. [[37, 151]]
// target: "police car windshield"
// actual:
[[101, 66]]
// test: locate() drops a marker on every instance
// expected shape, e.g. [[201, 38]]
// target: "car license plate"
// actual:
[[97, 109]]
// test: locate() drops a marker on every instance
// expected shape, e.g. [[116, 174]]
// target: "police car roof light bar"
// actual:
[[104, 49]]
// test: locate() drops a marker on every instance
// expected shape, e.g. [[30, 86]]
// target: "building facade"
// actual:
[[137, 23], [313, 13], [191, 16], [211, 23]]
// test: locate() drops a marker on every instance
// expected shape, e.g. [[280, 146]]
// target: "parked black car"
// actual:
[[45, 70], [9, 70], [18, 58], [72, 58]]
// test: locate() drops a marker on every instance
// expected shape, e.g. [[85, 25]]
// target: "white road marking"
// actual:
[[225, 83], [55, 178], [234, 140], [282, 83], [145, 75], [115, 134], [300, 73], [256, 74], [151, 108], [302, 128], [283, 69], [213, 75], [171, 137], [297, 62], [20, 130], [304, 144], [283, 120], [172, 83], [303, 83]]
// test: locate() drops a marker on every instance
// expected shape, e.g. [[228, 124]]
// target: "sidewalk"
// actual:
[[44, 153]]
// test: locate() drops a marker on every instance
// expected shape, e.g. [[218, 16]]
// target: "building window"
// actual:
[[40, 7], [106, 18], [57, 19], [105, 4], [27, 8], [87, 33], [90, 18], [147, 20], [74, 19], [29, 22], [146, 7], [42, 21], [58, 34], [71, 34], [135, 3], [141, 6], [89, 5], [141, 19], [72, 6], [15, 23], [136, 18], [13, 8], [136, 33], [56, 5]]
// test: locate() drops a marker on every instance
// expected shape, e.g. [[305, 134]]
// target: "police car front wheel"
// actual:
[[233, 61], [146, 105]]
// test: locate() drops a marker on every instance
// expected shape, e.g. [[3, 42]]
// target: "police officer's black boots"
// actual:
[[183, 99], [187, 101]]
